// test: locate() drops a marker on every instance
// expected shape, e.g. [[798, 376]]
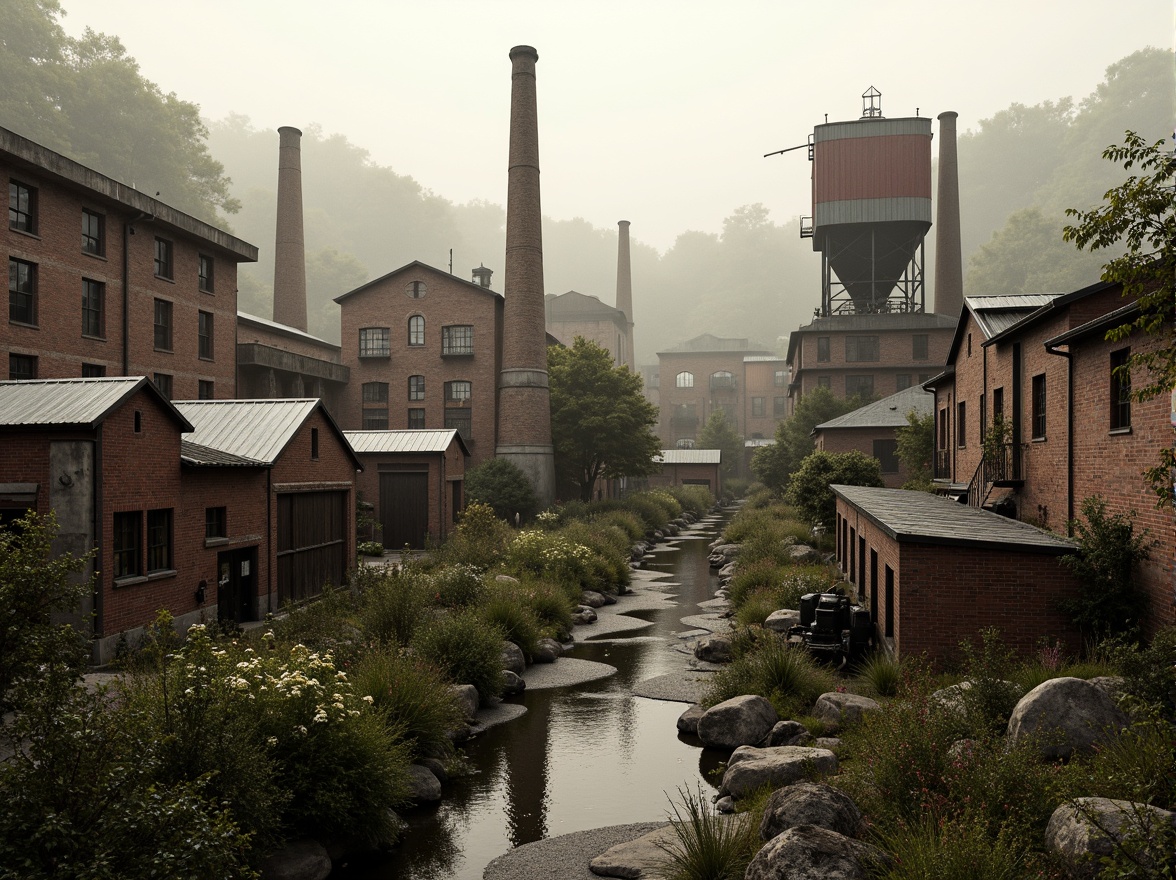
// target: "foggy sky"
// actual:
[[654, 111]]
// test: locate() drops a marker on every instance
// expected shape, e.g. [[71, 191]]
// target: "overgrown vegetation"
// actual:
[[709, 846], [809, 489]]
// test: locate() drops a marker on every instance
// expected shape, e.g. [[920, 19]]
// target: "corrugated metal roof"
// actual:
[[421, 440], [757, 442], [247, 318], [689, 456], [889, 412], [195, 455], [995, 314], [252, 429], [86, 402], [762, 358]]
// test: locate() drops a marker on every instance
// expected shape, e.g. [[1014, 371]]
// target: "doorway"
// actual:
[[236, 574]]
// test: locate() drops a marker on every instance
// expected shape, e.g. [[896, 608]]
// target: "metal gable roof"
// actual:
[[418, 440], [252, 429], [996, 314], [889, 412], [195, 455], [87, 402], [689, 456]]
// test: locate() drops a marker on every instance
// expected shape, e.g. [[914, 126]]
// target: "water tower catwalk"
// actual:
[[871, 211]]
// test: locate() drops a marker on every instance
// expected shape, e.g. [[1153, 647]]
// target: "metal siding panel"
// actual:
[[872, 168]]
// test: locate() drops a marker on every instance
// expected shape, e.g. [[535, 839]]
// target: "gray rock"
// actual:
[[1066, 715], [803, 554], [839, 710], [513, 658], [727, 570], [782, 732], [467, 698], [548, 651], [811, 853], [506, 579], [783, 620], [422, 784], [1111, 685], [1086, 829], [436, 768], [593, 599], [583, 614], [725, 804], [716, 649], [300, 860], [643, 857], [810, 803], [688, 720], [832, 743], [739, 721], [512, 683], [749, 768]]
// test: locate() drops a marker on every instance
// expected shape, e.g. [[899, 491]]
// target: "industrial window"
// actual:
[[93, 371], [127, 558], [860, 349], [943, 429], [822, 349], [824, 382], [93, 233], [205, 389], [685, 443], [204, 277], [375, 419], [859, 386], [416, 330], [997, 403], [416, 289], [163, 325], [1038, 407], [375, 342], [22, 207], [757, 406], [685, 379], [314, 444], [204, 335], [22, 366], [416, 387], [159, 540], [216, 523], [919, 347], [375, 406], [889, 598], [458, 391], [722, 380], [164, 383], [780, 378], [93, 308], [779, 407], [22, 292], [375, 392], [1120, 390], [416, 417], [886, 451], [961, 423], [163, 259], [458, 339], [902, 381], [459, 420]]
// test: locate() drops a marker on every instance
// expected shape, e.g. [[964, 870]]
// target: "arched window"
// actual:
[[685, 443], [416, 330], [723, 380], [415, 289], [416, 387], [685, 379]]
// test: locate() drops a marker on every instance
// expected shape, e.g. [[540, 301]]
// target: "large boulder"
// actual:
[[512, 683], [422, 784], [688, 720], [300, 860], [1086, 829], [1065, 715], [810, 803], [715, 649], [750, 769], [808, 852], [783, 733], [513, 658], [548, 651], [783, 620], [467, 698], [803, 554], [593, 599], [838, 710], [740, 721]]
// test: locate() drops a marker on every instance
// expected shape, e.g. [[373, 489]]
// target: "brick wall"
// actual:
[[682, 474], [443, 468], [838, 440], [705, 400]]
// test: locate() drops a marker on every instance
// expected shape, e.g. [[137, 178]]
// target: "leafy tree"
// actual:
[[916, 449], [1139, 216], [601, 424], [1028, 255], [504, 487], [809, 492], [773, 465], [718, 433]]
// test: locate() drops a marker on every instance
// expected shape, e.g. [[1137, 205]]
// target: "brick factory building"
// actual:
[[871, 430]]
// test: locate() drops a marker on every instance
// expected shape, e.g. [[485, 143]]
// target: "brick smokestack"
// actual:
[[625, 292], [290, 247], [524, 400], [949, 268]]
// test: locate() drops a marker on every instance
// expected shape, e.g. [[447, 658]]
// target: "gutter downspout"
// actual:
[[128, 231], [1053, 349], [98, 516], [270, 560]]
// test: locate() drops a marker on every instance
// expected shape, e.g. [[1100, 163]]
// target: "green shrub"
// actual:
[[1138, 765], [709, 846], [989, 702], [1149, 673], [458, 586], [554, 557], [736, 486], [392, 607], [467, 650], [667, 502], [880, 674], [696, 500], [627, 521], [500, 484], [754, 609], [927, 850], [370, 548], [785, 675], [510, 613], [653, 515], [551, 606], [753, 577], [480, 538], [325, 624], [809, 487]]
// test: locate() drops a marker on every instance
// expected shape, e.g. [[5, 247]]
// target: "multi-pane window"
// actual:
[[375, 406], [919, 347], [779, 407], [163, 325], [93, 233], [159, 540], [886, 451], [458, 391], [416, 418], [962, 423], [204, 335], [757, 406], [1120, 390], [780, 378], [127, 558], [722, 380], [93, 308], [860, 349], [375, 392], [163, 382], [163, 259], [685, 379], [204, 278], [93, 371], [459, 420], [1038, 407], [22, 291], [825, 382], [822, 349], [902, 381], [22, 366], [22, 207], [375, 419], [375, 342], [216, 524], [205, 390], [416, 330], [458, 339], [415, 289], [859, 386], [416, 387]]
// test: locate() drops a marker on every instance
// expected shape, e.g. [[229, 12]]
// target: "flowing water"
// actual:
[[582, 757]]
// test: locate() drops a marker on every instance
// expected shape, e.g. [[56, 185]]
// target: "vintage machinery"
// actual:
[[832, 627]]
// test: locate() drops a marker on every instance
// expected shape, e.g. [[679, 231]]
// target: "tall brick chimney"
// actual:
[[524, 400], [949, 270], [625, 292], [290, 247]]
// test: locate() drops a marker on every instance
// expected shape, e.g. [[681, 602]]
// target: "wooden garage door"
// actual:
[[404, 509], [312, 543]]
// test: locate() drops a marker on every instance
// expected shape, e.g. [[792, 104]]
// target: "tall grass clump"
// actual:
[[457, 586], [652, 514], [927, 850], [610, 546], [708, 845], [880, 674], [480, 539], [785, 675], [627, 521], [695, 500], [391, 608], [551, 606], [326, 624], [505, 609], [667, 502], [467, 650]]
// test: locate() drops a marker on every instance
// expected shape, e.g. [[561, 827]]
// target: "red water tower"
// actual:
[[871, 210]]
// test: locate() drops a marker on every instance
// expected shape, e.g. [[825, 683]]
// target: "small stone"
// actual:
[[688, 720], [512, 683]]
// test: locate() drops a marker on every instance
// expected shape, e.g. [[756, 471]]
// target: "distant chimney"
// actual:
[[290, 246], [482, 277], [625, 292], [524, 408], [949, 270]]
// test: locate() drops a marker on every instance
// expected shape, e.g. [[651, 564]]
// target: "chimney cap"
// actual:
[[947, 115], [524, 50], [289, 129], [622, 223]]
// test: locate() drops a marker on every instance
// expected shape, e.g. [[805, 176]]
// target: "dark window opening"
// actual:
[[159, 540], [416, 418], [22, 366], [886, 451], [822, 349], [1038, 407], [127, 558], [204, 278], [859, 349], [458, 339], [215, 523], [22, 207], [22, 292], [93, 308], [163, 259], [375, 342], [93, 233], [1120, 390], [204, 335], [163, 325]]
